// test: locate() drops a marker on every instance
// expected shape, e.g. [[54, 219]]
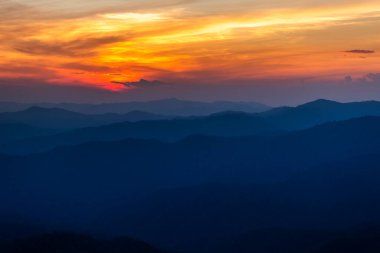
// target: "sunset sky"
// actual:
[[107, 43]]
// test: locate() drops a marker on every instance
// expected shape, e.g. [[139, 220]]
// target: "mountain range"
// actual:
[[70, 128], [288, 180], [223, 124], [172, 106], [319, 112], [175, 194], [63, 119]]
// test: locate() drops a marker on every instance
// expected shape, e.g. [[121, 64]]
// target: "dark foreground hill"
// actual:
[[341, 196], [273, 240], [278, 240], [362, 240], [74, 243]]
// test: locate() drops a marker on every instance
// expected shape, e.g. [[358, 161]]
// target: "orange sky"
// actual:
[[101, 42]]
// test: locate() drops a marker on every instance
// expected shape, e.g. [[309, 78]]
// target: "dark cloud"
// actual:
[[360, 51], [348, 79], [142, 84], [78, 47], [373, 77]]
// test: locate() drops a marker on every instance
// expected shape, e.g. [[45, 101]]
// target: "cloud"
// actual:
[[76, 47], [72, 9], [348, 79], [360, 51], [370, 79], [201, 41], [10, 10], [142, 84], [373, 77]]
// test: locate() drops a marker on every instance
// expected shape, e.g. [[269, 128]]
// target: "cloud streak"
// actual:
[[75, 47], [360, 51]]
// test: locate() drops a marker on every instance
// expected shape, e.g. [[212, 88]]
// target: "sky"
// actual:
[[111, 45]]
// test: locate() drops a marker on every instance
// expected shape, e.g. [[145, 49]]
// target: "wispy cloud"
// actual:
[[360, 51], [75, 47]]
